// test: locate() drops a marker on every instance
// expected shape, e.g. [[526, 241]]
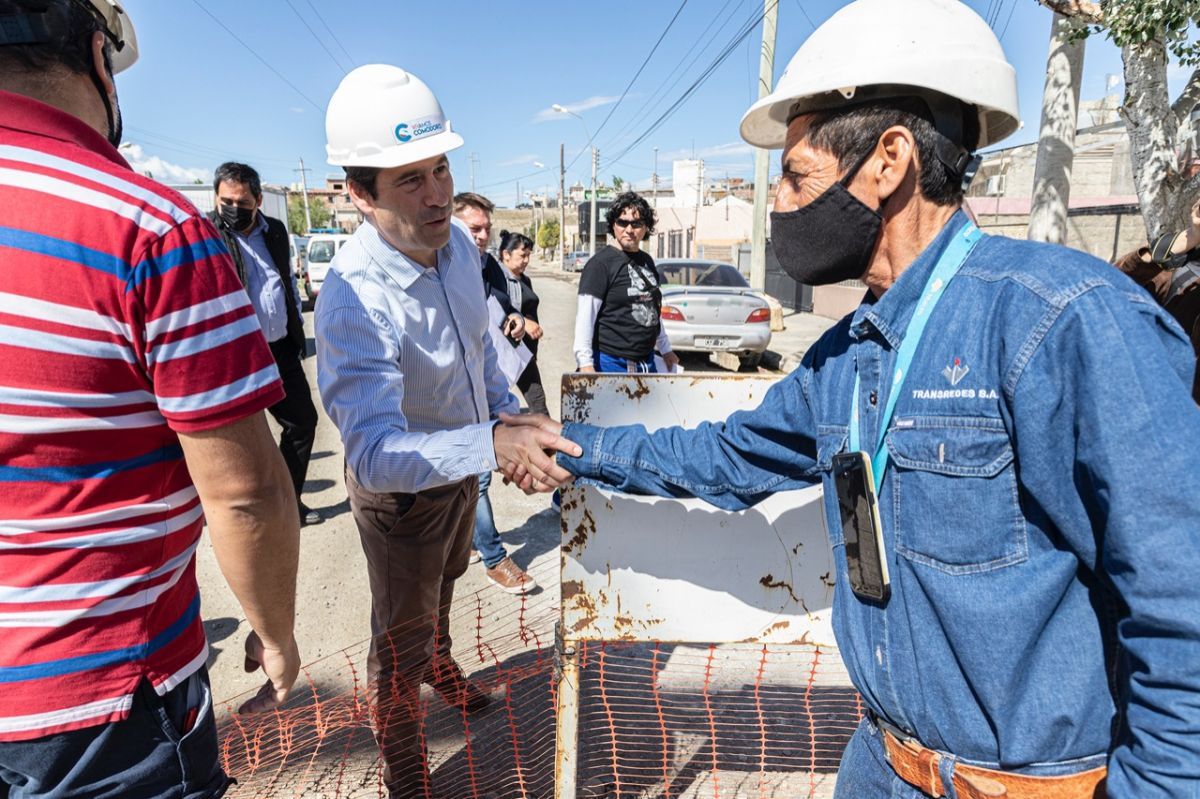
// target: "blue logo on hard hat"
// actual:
[[409, 131]]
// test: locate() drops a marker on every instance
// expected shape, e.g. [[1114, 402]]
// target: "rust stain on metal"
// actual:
[[571, 589], [827, 578], [582, 604], [769, 581], [637, 391], [582, 531]]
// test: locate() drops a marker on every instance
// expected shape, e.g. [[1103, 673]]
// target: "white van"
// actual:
[[321, 249]]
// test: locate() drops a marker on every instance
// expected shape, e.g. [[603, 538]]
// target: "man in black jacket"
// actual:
[[259, 245]]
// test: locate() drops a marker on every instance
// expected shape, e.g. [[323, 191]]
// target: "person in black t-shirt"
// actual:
[[617, 328]]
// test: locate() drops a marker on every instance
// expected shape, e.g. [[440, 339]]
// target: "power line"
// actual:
[[254, 53], [329, 28], [800, 5], [667, 84], [645, 61], [1009, 20], [732, 46], [163, 141], [320, 41]]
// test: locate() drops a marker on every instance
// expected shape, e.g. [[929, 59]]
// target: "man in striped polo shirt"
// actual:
[[133, 376]]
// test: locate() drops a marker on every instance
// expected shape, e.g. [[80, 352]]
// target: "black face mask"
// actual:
[[830, 239], [235, 216]]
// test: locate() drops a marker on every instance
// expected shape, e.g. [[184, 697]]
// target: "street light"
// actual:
[[595, 158]]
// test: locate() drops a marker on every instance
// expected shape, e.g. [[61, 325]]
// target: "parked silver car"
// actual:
[[709, 307], [574, 261]]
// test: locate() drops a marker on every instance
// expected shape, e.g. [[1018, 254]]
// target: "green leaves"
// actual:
[[1134, 22]]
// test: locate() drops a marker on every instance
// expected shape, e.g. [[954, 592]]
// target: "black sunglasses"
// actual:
[[636, 224]]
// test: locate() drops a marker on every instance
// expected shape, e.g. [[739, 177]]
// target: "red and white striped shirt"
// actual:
[[121, 322]]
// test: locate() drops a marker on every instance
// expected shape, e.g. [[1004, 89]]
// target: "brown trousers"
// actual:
[[416, 545]]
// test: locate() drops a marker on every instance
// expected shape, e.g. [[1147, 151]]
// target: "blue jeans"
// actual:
[[161, 751], [865, 774], [611, 363], [487, 537]]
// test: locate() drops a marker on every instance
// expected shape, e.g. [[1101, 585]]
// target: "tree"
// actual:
[[547, 237], [618, 183], [1149, 33], [1056, 140], [317, 208]]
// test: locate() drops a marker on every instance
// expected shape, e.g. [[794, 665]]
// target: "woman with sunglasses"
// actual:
[[617, 328]]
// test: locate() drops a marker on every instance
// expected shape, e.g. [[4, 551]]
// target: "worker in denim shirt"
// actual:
[[1040, 631]]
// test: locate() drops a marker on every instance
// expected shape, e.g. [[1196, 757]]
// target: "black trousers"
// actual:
[[295, 413], [530, 384]]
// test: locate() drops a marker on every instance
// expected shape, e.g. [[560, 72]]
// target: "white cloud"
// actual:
[[550, 115], [528, 158], [296, 109], [160, 170], [731, 149]]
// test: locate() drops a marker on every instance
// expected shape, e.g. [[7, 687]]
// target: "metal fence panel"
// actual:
[[652, 569]]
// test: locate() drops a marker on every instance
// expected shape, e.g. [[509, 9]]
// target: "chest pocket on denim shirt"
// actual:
[[831, 439], [956, 506]]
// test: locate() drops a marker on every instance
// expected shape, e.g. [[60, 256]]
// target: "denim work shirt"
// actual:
[[405, 365], [1040, 511]]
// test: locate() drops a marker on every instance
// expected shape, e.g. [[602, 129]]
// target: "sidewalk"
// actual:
[[801, 331]]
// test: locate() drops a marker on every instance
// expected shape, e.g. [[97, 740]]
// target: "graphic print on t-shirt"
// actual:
[[640, 283]]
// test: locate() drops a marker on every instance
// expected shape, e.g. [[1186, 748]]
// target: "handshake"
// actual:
[[525, 448]]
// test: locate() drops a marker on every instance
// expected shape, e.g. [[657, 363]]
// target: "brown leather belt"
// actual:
[[918, 766]]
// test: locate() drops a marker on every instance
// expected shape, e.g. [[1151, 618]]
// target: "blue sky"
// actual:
[[198, 96]]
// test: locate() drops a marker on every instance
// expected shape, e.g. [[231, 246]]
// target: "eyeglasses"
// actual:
[[636, 224]]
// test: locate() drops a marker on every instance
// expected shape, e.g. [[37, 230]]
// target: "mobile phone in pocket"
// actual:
[[861, 529]]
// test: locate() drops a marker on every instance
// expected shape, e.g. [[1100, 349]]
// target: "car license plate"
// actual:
[[715, 342]]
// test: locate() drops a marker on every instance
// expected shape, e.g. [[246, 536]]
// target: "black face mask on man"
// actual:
[[235, 216], [830, 239]]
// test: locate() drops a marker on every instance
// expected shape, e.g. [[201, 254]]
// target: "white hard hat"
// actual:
[[120, 32], [382, 116], [893, 48]]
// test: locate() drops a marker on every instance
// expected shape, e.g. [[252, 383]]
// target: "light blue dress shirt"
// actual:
[[405, 366], [263, 283]]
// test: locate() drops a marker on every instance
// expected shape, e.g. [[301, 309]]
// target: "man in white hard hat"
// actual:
[[407, 372], [1016, 603], [124, 429]]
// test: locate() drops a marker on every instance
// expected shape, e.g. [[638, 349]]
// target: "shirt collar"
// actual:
[[399, 266], [19, 112], [890, 314]]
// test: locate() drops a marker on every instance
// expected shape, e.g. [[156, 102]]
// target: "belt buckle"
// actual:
[[903, 738]]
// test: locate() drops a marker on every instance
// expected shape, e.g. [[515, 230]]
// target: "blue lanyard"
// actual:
[[944, 271]]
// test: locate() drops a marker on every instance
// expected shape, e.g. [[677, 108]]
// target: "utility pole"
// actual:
[[304, 193], [592, 236], [766, 75], [562, 202], [654, 178], [474, 159], [699, 202], [727, 195]]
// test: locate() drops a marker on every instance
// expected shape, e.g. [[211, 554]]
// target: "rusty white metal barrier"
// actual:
[[680, 571]]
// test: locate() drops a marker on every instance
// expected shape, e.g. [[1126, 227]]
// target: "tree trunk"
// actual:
[[1056, 145], [1152, 137]]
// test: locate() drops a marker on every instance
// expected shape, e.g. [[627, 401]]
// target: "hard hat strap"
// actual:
[[946, 115]]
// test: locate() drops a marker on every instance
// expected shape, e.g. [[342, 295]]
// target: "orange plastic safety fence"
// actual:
[[655, 719]]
